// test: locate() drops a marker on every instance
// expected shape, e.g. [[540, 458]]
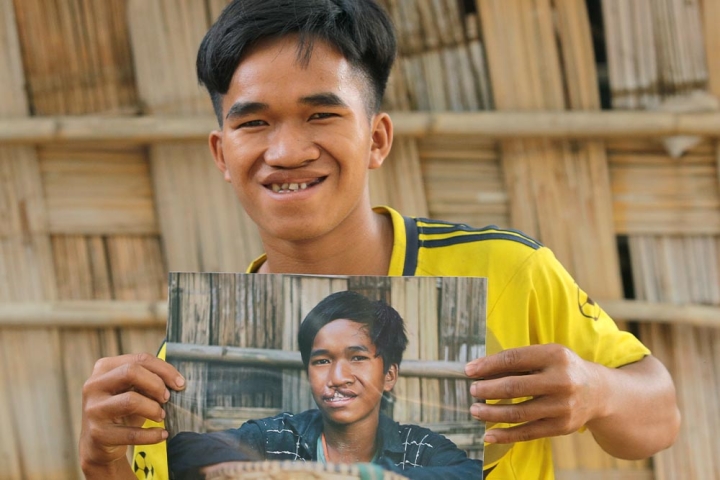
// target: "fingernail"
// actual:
[[166, 396], [473, 389], [475, 410], [490, 438], [180, 381], [162, 415], [164, 434]]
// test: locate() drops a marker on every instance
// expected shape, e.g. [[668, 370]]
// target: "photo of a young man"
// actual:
[[351, 350]]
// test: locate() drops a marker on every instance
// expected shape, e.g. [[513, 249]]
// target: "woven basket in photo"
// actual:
[[301, 471]]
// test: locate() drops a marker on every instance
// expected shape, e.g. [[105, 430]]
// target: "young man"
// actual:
[[351, 348], [297, 86]]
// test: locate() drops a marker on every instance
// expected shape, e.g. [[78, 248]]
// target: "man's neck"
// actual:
[[358, 246], [352, 443]]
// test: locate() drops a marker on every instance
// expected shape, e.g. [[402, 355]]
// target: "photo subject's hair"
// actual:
[[360, 29], [384, 325]]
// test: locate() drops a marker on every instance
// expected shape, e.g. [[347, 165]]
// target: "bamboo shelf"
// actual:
[[494, 124], [130, 313]]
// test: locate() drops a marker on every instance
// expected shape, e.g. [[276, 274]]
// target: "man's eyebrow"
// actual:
[[240, 109], [318, 352], [326, 99], [358, 348]]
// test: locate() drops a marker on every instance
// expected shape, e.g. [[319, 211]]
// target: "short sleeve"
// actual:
[[559, 311]]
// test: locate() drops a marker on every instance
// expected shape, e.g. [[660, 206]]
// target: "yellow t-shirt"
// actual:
[[531, 300]]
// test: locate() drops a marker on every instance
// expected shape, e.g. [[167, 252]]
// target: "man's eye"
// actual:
[[322, 361], [321, 115], [359, 358], [252, 123]]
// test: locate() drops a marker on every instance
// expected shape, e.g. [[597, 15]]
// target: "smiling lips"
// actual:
[[289, 187]]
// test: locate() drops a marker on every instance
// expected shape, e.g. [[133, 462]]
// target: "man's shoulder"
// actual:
[[458, 249]]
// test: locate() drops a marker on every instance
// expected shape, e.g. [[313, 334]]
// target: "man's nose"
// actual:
[[340, 374], [291, 146]]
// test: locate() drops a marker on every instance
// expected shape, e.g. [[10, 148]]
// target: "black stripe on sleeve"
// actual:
[[411, 247], [478, 237]]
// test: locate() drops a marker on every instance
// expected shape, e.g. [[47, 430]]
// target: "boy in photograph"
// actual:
[[297, 87], [351, 349]]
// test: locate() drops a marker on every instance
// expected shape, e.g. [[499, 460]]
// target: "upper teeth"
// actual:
[[337, 396], [288, 187]]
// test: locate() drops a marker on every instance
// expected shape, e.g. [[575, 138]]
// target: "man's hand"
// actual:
[[119, 396], [563, 387], [631, 411]]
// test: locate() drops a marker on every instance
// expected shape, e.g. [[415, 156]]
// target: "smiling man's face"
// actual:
[[346, 377], [297, 141]]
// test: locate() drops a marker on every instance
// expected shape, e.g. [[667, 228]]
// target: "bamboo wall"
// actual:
[[89, 229]]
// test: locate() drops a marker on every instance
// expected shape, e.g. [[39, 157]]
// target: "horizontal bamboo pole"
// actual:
[[494, 124], [84, 314], [266, 357], [116, 313]]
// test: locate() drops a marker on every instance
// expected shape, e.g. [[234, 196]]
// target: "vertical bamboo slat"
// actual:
[[81, 272], [137, 273]]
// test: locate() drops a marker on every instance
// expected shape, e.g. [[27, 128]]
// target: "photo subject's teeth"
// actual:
[[275, 187], [284, 186], [293, 186], [303, 186]]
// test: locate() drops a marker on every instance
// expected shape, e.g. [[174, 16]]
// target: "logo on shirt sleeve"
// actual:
[[588, 308], [143, 469]]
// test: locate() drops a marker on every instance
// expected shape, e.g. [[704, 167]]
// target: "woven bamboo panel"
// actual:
[[654, 193], [655, 50], [684, 269], [81, 63], [101, 190], [464, 181]]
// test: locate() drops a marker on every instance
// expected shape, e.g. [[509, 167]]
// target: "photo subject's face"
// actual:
[[296, 140], [346, 378]]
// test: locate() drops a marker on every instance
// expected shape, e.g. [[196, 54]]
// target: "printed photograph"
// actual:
[[359, 376]]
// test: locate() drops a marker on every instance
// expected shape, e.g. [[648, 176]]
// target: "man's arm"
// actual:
[[631, 411], [119, 396]]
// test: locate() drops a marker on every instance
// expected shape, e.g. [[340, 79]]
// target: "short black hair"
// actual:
[[384, 325], [360, 29]]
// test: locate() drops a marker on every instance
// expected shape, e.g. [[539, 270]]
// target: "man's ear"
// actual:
[[382, 138], [215, 142], [391, 377]]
